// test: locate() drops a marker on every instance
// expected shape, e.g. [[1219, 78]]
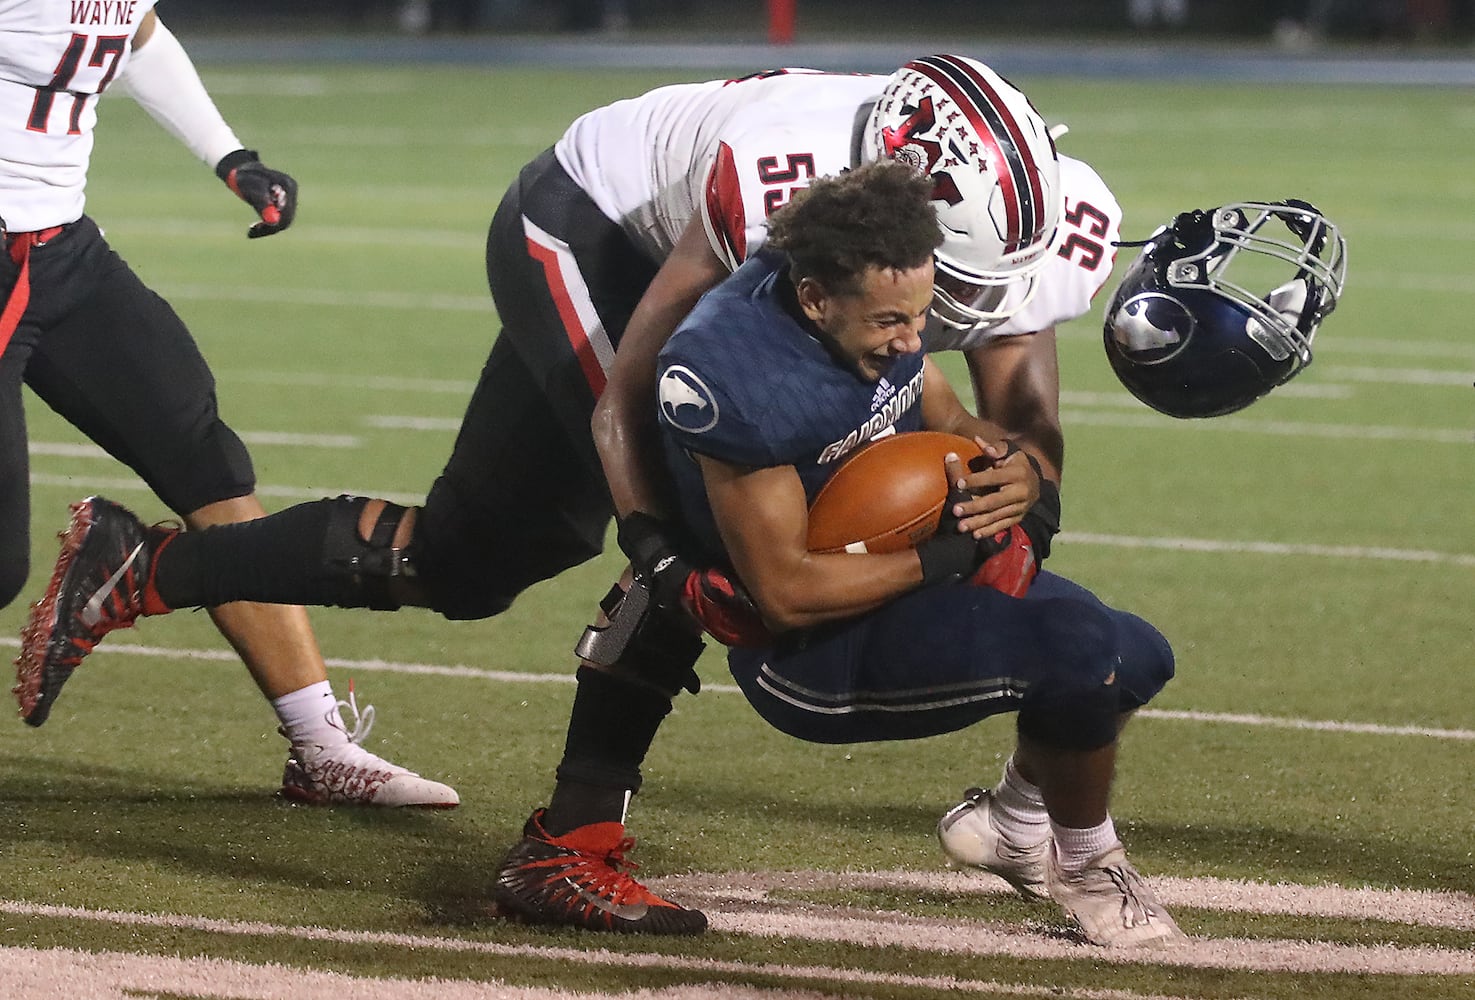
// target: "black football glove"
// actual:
[[651, 546], [1042, 522], [715, 598], [271, 193], [949, 555]]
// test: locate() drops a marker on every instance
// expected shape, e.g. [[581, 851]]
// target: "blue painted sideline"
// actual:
[[1101, 59]]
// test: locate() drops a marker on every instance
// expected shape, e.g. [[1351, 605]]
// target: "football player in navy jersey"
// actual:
[[80, 329], [599, 248], [756, 386]]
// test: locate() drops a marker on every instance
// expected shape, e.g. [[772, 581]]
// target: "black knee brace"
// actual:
[[644, 640], [364, 569]]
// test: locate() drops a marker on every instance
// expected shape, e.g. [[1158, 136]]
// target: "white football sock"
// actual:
[[310, 715], [1075, 848], [1019, 809]]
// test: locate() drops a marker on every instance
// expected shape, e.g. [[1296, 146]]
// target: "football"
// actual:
[[888, 495]]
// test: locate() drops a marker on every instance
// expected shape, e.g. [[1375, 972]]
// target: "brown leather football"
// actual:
[[887, 495]]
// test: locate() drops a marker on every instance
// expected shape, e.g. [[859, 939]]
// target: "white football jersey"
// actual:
[[56, 57], [1079, 264], [730, 152]]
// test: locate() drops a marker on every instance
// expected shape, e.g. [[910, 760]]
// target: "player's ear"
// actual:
[[814, 299]]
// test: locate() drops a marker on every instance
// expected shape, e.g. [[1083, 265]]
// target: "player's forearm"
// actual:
[[762, 516], [625, 429], [628, 440], [825, 587], [1016, 387]]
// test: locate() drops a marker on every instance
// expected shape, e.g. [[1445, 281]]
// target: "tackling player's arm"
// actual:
[[763, 517], [145, 29], [1016, 383], [1001, 494], [162, 79], [624, 424]]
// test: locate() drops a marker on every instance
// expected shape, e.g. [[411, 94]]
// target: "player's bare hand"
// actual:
[[1003, 486]]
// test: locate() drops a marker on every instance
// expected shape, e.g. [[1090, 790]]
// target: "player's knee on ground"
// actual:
[[1075, 703]]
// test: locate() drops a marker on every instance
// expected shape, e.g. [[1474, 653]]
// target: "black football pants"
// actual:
[[114, 359], [523, 495]]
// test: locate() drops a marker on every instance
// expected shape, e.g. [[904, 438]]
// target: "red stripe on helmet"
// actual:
[[1018, 174]]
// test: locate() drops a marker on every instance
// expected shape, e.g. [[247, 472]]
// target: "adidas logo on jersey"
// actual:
[[884, 391]]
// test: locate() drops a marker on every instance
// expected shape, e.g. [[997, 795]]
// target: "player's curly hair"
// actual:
[[877, 215]]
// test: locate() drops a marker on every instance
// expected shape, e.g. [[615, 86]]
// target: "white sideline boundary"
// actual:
[[522, 677]]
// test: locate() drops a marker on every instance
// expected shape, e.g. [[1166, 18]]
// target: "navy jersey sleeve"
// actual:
[[702, 414], [723, 367]]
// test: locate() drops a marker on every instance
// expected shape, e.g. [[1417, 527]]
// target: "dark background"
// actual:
[[1289, 23]]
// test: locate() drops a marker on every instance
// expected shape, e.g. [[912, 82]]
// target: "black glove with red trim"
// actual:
[[271, 193], [949, 555], [1013, 558], [1011, 567], [716, 599], [725, 609]]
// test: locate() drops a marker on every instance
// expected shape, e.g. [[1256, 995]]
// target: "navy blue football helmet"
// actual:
[[1222, 305]]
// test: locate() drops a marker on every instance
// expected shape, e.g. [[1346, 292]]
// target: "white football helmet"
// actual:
[[996, 180]]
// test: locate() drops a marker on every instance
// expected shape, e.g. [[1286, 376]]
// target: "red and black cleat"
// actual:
[[580, 880], [100, 583]]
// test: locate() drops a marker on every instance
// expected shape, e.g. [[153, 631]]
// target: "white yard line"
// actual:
[[1122, 400], [1389, 346], [105, 485], [283, 439], [1273, 428], [1269, 548], [1383, 375], [65, 974], [328, 298], [1452, 910], [737, 903], [1225, 546], [460, 670], [393, 423]]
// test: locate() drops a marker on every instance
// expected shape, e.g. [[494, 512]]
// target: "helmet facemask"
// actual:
[[964, 304], [1230, 252], [1223, 305]]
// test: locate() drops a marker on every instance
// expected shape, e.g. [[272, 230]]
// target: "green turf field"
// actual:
[[1312, 559]]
